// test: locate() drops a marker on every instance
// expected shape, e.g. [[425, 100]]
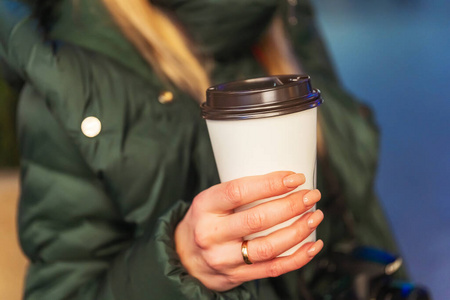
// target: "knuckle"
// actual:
[[196, 208], [233, 279], [255, 221], [274, 269], [294, 205], [215, 262], [233, 192], [302, 232], [265, 251], [201, 238], [300, 262], [273, 184], [198, 202]]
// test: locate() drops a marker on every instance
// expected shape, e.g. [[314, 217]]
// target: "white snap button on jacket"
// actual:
[[91, 126], [165, 97]]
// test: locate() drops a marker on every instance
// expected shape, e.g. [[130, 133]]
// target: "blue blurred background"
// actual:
[[395, 56]]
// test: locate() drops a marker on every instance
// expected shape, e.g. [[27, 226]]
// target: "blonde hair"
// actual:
[[274, 51], [161, 44]]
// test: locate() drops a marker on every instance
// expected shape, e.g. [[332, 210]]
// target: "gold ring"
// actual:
[[244, 251]]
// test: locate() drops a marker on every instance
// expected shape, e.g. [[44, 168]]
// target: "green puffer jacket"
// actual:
[[97, 214]]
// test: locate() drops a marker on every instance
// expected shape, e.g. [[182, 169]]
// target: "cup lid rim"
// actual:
[[260, 97]]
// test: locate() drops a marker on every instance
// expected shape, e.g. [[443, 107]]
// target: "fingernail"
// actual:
[[315, 248], [311, 197], [294, 180], [315, 219]]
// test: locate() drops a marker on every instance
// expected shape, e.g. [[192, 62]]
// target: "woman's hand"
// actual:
[[209, 238]]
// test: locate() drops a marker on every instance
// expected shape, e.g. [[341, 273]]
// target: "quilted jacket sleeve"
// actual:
[[85, 240]]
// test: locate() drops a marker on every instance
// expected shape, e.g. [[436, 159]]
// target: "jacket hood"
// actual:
[[222, 28], [219, 28]]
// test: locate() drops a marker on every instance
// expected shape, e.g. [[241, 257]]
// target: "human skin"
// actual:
[[208, 240]]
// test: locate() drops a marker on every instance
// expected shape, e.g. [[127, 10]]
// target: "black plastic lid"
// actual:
[[260, 98]]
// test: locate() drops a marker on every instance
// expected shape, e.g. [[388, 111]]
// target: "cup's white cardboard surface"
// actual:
[[260, 146]]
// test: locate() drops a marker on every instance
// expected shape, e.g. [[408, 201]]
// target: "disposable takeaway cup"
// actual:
[[262, 125]]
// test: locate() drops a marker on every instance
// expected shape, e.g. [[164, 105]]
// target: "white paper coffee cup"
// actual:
[[262, 125]]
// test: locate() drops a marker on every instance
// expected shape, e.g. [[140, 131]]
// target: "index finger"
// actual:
[[232, 194]]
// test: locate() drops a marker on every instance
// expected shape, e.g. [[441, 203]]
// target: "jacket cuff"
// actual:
[[190, 287]]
